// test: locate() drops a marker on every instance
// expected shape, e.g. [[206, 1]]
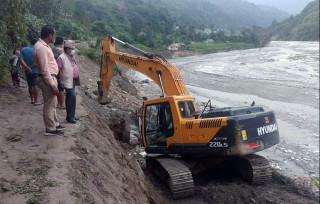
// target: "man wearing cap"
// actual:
[[47, 73], [57, 51], [69, 77]]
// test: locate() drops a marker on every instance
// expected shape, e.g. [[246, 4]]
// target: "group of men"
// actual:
[[53, 70]]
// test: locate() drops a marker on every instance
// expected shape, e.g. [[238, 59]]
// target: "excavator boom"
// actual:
[[162, 72]]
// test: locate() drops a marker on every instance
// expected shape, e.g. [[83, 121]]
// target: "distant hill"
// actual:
[[225, 14], [290, 6], [304, 26], [222, 13], [156, 23]]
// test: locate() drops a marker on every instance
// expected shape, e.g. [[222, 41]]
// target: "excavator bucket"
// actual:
[[104, 98]]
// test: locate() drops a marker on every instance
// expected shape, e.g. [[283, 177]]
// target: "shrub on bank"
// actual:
[[202, 46]]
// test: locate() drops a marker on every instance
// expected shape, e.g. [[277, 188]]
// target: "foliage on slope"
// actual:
[[304, 26]]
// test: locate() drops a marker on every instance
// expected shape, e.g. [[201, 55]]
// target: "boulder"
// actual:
[[82, 46]]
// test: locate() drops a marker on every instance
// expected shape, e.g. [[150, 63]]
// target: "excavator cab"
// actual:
[[158, 124], [163, 121]]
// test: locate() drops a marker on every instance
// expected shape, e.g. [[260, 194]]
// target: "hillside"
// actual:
[[290, 6], [227, 14], [304, 26]]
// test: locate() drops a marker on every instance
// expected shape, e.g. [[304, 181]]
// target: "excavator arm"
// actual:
[[162, 72]]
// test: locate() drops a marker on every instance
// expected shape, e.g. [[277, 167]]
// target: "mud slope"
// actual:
[[105, 173]]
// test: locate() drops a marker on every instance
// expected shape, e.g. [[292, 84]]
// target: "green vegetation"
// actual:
[[315, 182], [91, 53], [219, 46], [304, 26], [13, 30]]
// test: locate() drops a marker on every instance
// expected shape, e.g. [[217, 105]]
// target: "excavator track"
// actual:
[[174, 173], [257, 170]]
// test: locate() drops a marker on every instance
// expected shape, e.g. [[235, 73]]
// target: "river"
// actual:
[[283, 77]]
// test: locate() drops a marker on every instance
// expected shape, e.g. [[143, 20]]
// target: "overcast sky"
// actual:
[[289, 6]]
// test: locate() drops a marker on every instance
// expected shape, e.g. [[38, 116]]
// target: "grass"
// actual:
[[315, 181], [37, 184], [201, 46], [140, 46], [92, 54], [96, 56]]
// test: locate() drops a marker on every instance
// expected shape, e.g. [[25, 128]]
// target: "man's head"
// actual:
[[69, 47], [16, 52], [33, 41], [48, 33], [58, 42]]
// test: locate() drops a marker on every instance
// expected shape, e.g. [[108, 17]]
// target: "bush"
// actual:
[[91, 53], [4, 51]]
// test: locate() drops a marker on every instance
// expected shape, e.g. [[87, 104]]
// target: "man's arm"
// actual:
[[60, 63], [25, 66]]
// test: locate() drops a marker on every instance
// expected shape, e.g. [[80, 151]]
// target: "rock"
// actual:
[[6, 187], [82, 46], [133, 140], [13, 138], [135, 133], [143, 154], [146, 81], [91, 95], [97, 182], [95, 92], [133, 127]]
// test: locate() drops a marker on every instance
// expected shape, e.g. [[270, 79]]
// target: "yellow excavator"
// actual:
[[181, 141]]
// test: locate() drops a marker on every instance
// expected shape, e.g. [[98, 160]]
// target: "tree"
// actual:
[[261, 36], [13, 30], [100, 28], [50, 11]]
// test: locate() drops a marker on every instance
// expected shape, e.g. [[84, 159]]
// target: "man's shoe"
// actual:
[[67, 118], [60, 127], [53, 133], [71, 120]]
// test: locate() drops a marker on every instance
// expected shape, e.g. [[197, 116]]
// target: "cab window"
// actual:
[[158, 124], [186, 109]]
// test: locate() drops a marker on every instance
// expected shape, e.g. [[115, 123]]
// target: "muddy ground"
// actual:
[[90, 165]]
